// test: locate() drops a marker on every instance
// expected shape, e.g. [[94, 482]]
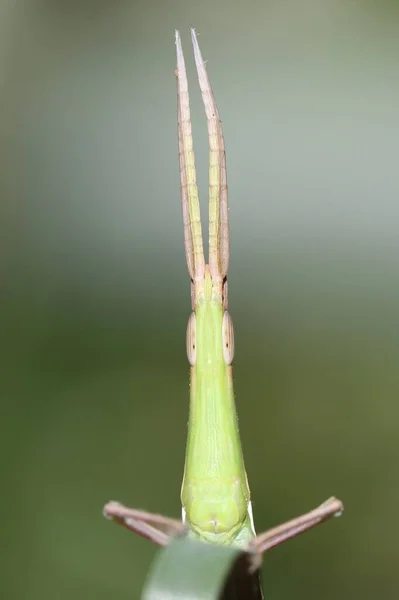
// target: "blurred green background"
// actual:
[[95, 292]]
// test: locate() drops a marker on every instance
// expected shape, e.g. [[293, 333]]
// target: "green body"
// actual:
[[215, 494]]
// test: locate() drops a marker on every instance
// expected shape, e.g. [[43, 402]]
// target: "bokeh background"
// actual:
[[95, 293]]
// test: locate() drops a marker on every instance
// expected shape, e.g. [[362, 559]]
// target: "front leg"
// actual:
[[156, 528]]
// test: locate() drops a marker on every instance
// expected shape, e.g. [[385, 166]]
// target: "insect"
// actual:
[[215, 495]]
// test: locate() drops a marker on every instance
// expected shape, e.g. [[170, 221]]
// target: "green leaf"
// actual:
[[194, 570]]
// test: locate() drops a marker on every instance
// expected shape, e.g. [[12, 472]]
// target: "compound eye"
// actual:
[[191, 340], [227, 338]]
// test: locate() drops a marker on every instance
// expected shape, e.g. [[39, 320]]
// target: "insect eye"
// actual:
[[191, 340], [227, 338]]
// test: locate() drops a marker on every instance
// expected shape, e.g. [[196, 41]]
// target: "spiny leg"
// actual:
[[277, 535], [154, 527]]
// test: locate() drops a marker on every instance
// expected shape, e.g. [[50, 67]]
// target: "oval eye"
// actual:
[[191, 340], [227, 338]]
